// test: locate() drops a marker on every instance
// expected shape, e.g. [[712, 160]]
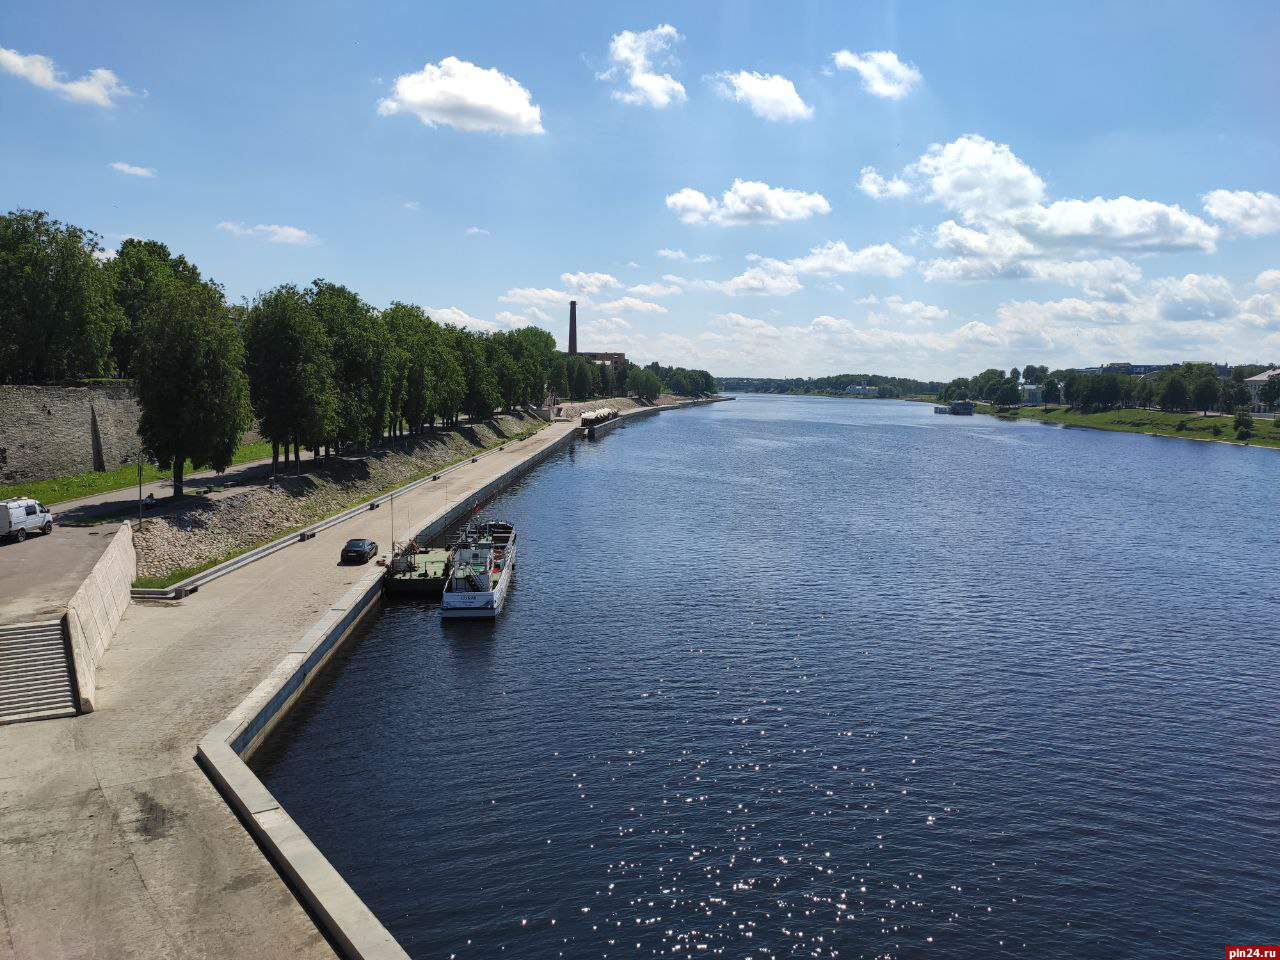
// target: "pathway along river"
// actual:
[[793, 677]]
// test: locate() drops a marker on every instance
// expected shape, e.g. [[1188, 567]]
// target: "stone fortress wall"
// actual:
[[53, 431]]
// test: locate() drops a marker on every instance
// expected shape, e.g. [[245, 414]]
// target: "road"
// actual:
[[39, 577]]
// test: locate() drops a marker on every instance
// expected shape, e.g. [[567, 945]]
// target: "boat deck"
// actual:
[[426, 573]]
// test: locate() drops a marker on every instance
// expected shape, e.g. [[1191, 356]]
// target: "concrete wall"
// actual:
[[95, 611], [52, 431]]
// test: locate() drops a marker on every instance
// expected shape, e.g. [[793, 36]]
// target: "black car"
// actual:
[[359, 551]]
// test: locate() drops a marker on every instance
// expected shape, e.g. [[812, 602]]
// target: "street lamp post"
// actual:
[[141, 452]]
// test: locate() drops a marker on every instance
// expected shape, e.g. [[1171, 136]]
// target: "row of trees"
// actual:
[[885, 386], [317, 367], [1180, 387]]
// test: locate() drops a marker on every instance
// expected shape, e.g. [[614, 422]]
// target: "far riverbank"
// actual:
[[1158, 423]]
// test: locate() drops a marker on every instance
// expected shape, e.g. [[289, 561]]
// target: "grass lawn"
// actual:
[[79, 485], [1186, 425]]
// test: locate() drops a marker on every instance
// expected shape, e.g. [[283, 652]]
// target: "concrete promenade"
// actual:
[[113, 843]]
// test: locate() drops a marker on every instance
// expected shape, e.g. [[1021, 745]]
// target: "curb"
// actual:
[[223, 752]]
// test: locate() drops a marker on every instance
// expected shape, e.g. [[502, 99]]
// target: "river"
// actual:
[[799, 677]]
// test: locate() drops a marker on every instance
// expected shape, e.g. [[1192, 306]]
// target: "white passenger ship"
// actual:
[[482, 564]]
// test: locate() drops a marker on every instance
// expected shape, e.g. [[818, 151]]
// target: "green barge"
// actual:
[[418, 573]]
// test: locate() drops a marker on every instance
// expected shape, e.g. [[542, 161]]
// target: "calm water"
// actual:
[[794, 677]]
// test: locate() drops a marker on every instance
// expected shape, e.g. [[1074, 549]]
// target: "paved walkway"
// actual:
[[113, 843]]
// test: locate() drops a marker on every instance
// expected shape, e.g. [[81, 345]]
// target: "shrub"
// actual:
[[1217, 430]]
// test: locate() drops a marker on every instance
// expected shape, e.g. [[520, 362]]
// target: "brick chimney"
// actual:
[[573, 327]]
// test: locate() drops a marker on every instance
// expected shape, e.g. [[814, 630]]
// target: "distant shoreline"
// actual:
[[1152, 423]]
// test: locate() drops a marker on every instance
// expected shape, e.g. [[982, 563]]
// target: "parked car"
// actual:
[[21, 516], [359, 551]]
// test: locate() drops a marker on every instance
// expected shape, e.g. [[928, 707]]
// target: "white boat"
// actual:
[[481, 566]]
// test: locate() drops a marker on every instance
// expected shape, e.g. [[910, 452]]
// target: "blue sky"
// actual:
[[922, 189]]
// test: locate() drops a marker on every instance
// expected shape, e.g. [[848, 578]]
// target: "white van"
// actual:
[[22, 516]]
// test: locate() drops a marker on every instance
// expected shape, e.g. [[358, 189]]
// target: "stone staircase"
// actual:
[[35, 672]]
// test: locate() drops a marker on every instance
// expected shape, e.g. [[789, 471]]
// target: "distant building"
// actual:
[[615, 360], [1129, 369], [1255, 386], [861, 390], [1031, 393]]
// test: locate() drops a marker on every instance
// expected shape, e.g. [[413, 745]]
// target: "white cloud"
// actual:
[[1252, 214], [978, 179], [1268, 280], [874, 185], [271, 232], [131, 170], [1195, 297], [1008, 229], [1121, 223], [477, 232], [634, 56], [460, 318], [1001, 252], [589, 283], [883, 74], [462, 95], [654, 290], [515, 321], [987, 185], [896, 310], [538, 296], [778, 278], [747, 201], [770, 96], [881, 260], [412, 205], [669, 254], [769, 279], [633, 305], [97, 87]]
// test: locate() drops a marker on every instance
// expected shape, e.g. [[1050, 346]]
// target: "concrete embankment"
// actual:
[[94, 612], [117, 844]]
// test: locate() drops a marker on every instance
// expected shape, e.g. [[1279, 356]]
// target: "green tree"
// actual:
[[1269, 392], [645, 384], [1204, 394], [579, 373], [1243, 424], [1008, 394], [607, 386], [290, 366], [1144, 393], [1232, 394], [362, 364], [1050, 392], [509, 378], [189, 379], [138, 272], [1173, 393], [57, 314], [482, 396], [448, 384]]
